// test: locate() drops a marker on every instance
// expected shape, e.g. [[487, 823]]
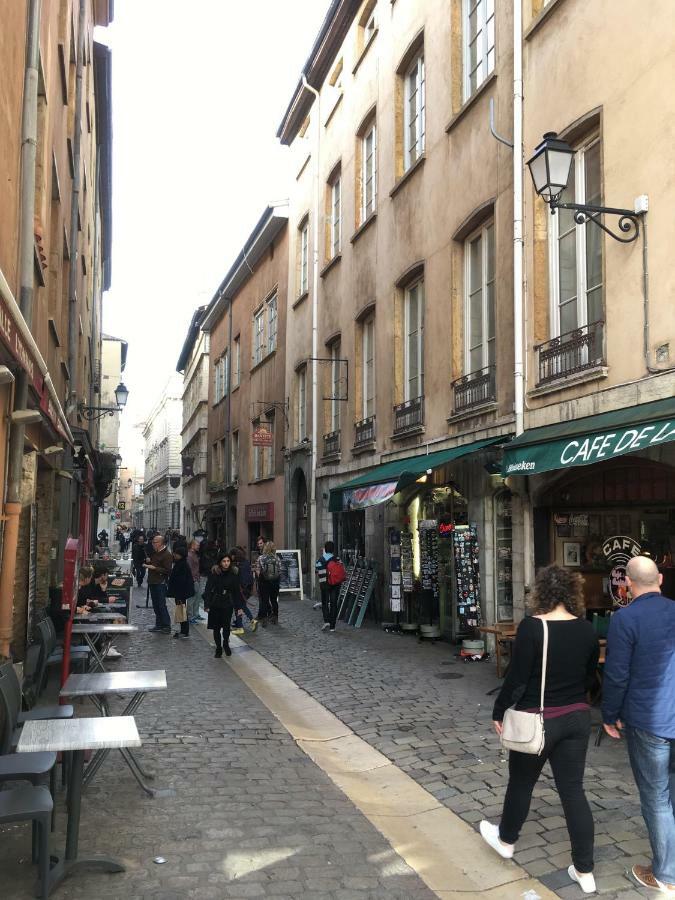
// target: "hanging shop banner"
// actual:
[[291, 571], [11, 338], [262, 436], [360, 498], [583, 450], [259, 512]]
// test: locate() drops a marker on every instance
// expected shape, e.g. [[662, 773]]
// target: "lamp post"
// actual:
[[550, 170], [92, 413]]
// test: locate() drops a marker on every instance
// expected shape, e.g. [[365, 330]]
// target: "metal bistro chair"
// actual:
[[33, 804]]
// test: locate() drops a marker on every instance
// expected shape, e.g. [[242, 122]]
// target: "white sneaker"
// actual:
[[585, 880], [317, 605], [490, 834], [325, 626]]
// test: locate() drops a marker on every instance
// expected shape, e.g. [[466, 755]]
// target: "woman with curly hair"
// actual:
[[572, 661]]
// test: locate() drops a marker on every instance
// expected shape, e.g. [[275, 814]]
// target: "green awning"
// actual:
[[581, 442], [382, 482]]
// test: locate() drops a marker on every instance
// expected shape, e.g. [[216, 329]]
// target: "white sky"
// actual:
[[199, 89]]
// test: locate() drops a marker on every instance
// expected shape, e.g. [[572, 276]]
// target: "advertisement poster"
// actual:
[[291, 571]]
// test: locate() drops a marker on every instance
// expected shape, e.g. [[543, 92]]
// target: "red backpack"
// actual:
[[335, 572]]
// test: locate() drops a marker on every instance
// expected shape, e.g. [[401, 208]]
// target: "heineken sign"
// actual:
[[583, 450]]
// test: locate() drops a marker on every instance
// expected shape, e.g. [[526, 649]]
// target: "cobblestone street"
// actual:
[[429, 714], [252, 815]]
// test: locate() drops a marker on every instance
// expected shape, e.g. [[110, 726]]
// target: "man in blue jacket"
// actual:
[[639, 698]]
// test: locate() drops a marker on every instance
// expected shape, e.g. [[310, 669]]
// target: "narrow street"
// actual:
[[252, 815]]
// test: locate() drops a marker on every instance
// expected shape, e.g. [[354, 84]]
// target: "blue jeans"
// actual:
[[652, 759], [243, 606], [158, 595]]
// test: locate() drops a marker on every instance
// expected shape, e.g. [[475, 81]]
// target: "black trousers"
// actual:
[[565, 748], [223, 641], [139, 572], [329, 602], [268, 595]]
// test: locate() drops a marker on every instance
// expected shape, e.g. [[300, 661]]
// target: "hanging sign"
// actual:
[[618, 551], [262, 436]]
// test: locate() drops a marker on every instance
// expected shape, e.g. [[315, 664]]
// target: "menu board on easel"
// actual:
[[291, 571]]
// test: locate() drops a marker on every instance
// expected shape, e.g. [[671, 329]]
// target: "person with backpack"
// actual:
[[335, 575], [322, 576], [270, 576]]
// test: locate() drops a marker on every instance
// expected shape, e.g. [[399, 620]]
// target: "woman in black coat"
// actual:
[[181, 586], [221, 596]]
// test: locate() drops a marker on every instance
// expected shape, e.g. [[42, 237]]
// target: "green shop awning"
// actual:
[[382, 482], [592, 439]]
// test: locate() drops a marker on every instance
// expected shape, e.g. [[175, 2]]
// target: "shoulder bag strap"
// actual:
[[544, 661]]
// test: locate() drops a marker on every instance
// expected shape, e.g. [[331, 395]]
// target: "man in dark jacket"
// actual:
[[159, 568], [138, 558], [639, 698]]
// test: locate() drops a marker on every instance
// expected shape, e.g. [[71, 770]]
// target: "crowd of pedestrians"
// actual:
[[558, 645]]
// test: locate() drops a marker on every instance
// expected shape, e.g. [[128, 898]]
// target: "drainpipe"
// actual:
[[12, 506], [228, 442], [519, 385], [74, 208], [315, 330]]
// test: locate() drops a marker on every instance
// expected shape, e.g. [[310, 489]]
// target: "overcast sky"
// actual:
[[199, 89]]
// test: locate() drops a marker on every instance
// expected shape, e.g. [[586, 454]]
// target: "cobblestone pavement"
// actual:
[[252, 815], [428, 712]]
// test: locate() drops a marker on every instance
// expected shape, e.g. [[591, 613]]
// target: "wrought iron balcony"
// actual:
[[474, 389], [571, 353], [409, 416], [331, 443], [364, 432]]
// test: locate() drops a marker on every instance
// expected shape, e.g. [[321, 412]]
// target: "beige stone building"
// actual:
[[400, 332], [55, 264], [246, 326], [193, 364]]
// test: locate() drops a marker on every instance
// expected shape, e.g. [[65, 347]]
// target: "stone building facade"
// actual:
[[162, 477]]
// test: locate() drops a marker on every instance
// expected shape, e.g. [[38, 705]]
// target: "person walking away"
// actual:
[[573, 652], [270, 577], [639, 699], [220, 594], [138, 558], [159, 567], [194, 615], [181, 587], [246, 583], [321, 574], [335, 575]]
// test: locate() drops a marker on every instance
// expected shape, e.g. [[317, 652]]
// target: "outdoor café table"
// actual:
[[77, 735], [92, 630], [99, 686], [98, 617]]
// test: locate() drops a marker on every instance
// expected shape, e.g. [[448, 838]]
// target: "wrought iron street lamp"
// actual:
[[550, 170], [92, 413]]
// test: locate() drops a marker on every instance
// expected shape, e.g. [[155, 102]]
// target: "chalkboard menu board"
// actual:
[[291, 571]]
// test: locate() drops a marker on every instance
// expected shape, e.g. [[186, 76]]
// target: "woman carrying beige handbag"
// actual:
[[549, 721]]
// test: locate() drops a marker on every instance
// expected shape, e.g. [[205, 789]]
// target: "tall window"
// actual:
[[263, 457], [236, 362], [272, 324], [335, 215], [413, 112], [302, 404], [479, 43], [414, 341], [303, 262], [368, 351], [479, 302], [225, 373], [335, 386], [576, 250], [368, 172], [258, 336], [234, 456]]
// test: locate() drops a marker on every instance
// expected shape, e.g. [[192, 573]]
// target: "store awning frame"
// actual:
[[380, 483], [591, 439]]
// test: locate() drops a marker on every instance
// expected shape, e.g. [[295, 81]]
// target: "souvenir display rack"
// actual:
[[503, 545], [467, 613]]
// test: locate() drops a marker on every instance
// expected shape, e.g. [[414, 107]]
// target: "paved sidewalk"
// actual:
[[252, 815], [428, 712]]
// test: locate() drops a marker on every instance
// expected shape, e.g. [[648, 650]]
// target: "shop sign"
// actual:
[[11, 338], [618, 550], [360, 498], [262, 436], [47, 407], [122, 505], [259, 512], [583, 451]]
